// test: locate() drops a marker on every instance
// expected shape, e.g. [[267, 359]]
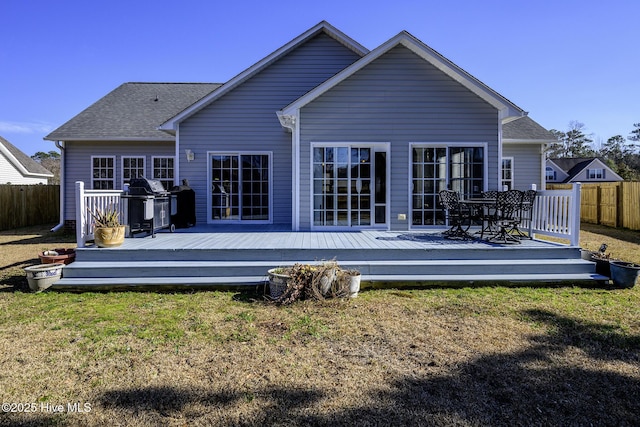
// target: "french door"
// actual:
[[349, 186], [436, 168], [240, 187]]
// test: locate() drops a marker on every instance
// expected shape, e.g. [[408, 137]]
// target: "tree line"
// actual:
[[619, 153]]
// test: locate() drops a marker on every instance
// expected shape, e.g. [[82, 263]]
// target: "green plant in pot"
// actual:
[[107, 232]]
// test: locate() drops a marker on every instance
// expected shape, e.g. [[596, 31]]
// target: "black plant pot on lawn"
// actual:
[[624, 274]]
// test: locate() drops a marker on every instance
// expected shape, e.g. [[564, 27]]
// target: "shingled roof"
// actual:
[[31, 166], [133, 111], [524, 128]]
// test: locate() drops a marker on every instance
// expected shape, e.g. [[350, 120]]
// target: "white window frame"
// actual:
[[173, 168], [113, 179], [123, 181], [595, 173], [550, 174], [502, 169], [374, 146], [269, 154]]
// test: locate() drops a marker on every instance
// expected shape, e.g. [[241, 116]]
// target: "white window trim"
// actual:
[[100, 179], [382, 146], [595, 171], [144, 166], [269, 154], [413, 145], [153, 161], [512, 180]]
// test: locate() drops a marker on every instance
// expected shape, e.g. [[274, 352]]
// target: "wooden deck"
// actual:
[[217, 257]]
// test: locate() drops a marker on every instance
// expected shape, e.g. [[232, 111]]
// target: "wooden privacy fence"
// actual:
[[25, 205], [615, 204]]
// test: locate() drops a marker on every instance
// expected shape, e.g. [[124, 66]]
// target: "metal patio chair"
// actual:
[[507, 204], [458, 215], [523, 214]]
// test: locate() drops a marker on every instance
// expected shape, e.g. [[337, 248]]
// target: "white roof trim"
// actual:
[[19, 166], [425, 52], [323, 26], [527, 141]]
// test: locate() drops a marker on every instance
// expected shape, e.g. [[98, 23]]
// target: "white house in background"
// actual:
[[18, 168], [569, 170]]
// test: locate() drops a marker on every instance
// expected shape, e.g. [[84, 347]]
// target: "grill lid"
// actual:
[[144, 186]]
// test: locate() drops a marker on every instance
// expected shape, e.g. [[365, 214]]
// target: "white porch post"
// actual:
[[575, 214], [81, 208]]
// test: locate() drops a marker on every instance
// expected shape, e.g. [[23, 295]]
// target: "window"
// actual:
[[103, 173], [595, 173], [163, 171], [507, 173], [550, 174], [132, 167], [240, 187], [438, 168]]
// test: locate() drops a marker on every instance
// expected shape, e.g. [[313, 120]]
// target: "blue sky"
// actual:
[[561, 60]]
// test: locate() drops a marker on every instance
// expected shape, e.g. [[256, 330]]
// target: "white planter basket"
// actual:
[[41, 277]]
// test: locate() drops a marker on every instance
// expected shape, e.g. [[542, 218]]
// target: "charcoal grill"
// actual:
[[150, 207]]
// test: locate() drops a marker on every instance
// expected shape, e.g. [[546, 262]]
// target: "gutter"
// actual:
[[62, 167]]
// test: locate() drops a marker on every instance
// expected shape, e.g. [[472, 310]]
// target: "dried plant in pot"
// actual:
[[107, 232]]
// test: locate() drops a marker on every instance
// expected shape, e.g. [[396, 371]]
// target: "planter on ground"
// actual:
[[278, 282], [354, 283], [58, 256], [42, 276], [624, 274]]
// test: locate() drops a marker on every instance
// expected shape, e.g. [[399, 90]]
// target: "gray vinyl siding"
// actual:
[[400, 99], [527, 164], [245, 119], [78, 165]]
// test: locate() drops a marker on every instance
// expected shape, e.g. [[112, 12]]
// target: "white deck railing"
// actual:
[[88, 201], [557, 213]]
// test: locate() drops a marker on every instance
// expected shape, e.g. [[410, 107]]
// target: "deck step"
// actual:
[[112, 283], [230, 269]]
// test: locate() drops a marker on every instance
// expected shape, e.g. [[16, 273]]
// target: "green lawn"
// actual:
[[468, 356]]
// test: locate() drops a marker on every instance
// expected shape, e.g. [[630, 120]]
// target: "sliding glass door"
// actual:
[[349, 186], [240, 187], [435, 168]]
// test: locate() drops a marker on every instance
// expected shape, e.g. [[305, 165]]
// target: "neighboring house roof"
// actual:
[[322, 27], [573, 166], [405, 39], [524, 129], [23, 163], [133, 111]]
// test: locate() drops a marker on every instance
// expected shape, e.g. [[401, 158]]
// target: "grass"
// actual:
[[468, 356]]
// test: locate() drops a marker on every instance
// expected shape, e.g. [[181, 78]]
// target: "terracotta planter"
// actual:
[[109, 237], [58, 256]]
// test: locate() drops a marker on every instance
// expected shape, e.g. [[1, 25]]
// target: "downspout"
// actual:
[[62, 167]]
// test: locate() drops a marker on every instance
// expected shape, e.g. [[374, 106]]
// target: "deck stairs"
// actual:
[[193, 262]]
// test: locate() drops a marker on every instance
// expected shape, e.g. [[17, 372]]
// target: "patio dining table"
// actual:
[[484, 211]]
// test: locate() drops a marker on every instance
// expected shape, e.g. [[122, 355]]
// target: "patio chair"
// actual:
[[523, 214], [507, 204], [458, 214], [489, 214]]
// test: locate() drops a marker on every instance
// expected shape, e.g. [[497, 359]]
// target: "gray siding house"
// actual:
[[579, 169], [321, 134]]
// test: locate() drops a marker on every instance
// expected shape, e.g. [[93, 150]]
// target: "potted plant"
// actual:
[[601, 258], [306, 281], [107, 231]]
